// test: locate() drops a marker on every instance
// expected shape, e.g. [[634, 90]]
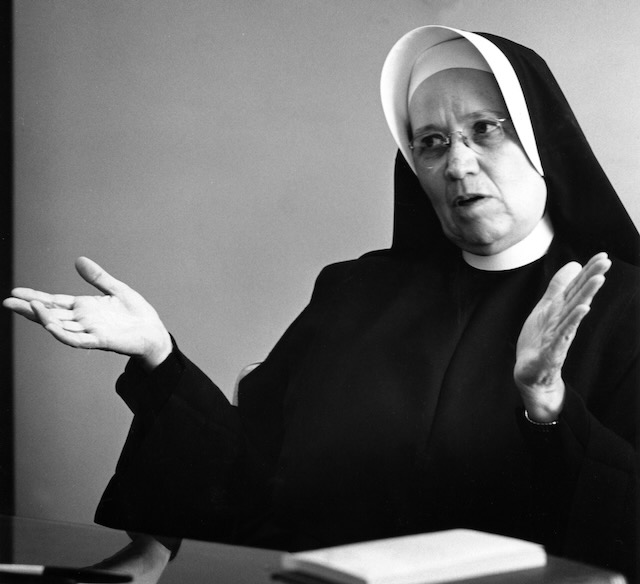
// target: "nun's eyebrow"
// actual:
[[425, 129], [470, 117]]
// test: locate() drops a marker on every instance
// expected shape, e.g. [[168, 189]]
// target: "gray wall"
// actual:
[[215, 155]]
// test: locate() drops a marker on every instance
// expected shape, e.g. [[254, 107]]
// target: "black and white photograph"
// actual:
[[321, 291]]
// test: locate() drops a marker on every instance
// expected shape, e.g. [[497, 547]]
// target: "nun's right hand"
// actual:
[[119, 320], [144, 558]]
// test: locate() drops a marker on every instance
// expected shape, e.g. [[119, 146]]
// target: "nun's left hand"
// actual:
[[548, 333]]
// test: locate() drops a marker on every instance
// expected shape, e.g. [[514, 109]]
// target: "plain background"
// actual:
[[215, 155]]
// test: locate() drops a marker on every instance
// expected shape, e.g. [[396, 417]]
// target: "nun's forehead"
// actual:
[[455, 94]]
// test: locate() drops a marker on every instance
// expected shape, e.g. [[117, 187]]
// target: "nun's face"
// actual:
[[486, 200]]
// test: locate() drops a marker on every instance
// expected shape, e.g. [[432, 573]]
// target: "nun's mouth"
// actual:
[[467, 200]]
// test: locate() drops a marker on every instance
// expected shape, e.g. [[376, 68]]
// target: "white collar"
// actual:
[[530, 249]]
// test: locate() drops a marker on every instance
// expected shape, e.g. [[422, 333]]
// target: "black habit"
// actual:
[[388, 407]]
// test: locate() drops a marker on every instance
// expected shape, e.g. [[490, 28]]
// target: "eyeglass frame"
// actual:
[[463, 136]]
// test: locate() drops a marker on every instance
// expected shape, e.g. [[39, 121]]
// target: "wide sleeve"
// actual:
[[587, 468], [193, 465], [177, 470]]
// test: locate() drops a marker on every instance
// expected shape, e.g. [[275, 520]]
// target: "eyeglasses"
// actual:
[[481, 136]]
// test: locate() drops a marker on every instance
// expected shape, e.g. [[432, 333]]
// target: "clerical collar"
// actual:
[[531, 248]]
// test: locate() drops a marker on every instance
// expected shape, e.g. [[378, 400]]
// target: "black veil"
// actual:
[[583, 205]]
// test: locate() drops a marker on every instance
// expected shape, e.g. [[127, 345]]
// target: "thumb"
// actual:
[[562, 278], [96, 276]]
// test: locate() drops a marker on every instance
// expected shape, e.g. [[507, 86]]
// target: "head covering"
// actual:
[[456, 53], [583, 206]]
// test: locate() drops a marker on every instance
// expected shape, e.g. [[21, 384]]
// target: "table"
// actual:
[[36, 541]]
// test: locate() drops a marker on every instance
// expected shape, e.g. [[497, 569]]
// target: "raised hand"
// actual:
[[548, 332], [120, 320]]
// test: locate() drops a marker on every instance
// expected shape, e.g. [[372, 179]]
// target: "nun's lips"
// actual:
[[468, 200]]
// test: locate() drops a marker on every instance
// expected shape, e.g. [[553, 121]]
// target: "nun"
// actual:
[[482, 372]]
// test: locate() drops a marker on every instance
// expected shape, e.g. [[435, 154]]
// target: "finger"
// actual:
[[27, 294], [587, 292], [63, 300], [72, 326], [42, 313], [54, 316], [598, 265], [572, 276], [582, 298], [49, 300], [77, 340], [98, 277], [584, 293], [21, 307], [61, 314], [561, 279]]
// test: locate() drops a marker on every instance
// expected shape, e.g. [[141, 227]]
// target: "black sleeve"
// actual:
[[176, 473], [587, 476], [193, 465]]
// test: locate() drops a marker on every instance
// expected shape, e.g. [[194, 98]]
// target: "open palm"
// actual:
[[549, 330], [119, 320]]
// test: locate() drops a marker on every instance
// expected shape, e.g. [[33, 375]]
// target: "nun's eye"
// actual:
[[487, 132], [431, 144]]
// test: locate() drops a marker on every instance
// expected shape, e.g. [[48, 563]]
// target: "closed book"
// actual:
[[426, 558]]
